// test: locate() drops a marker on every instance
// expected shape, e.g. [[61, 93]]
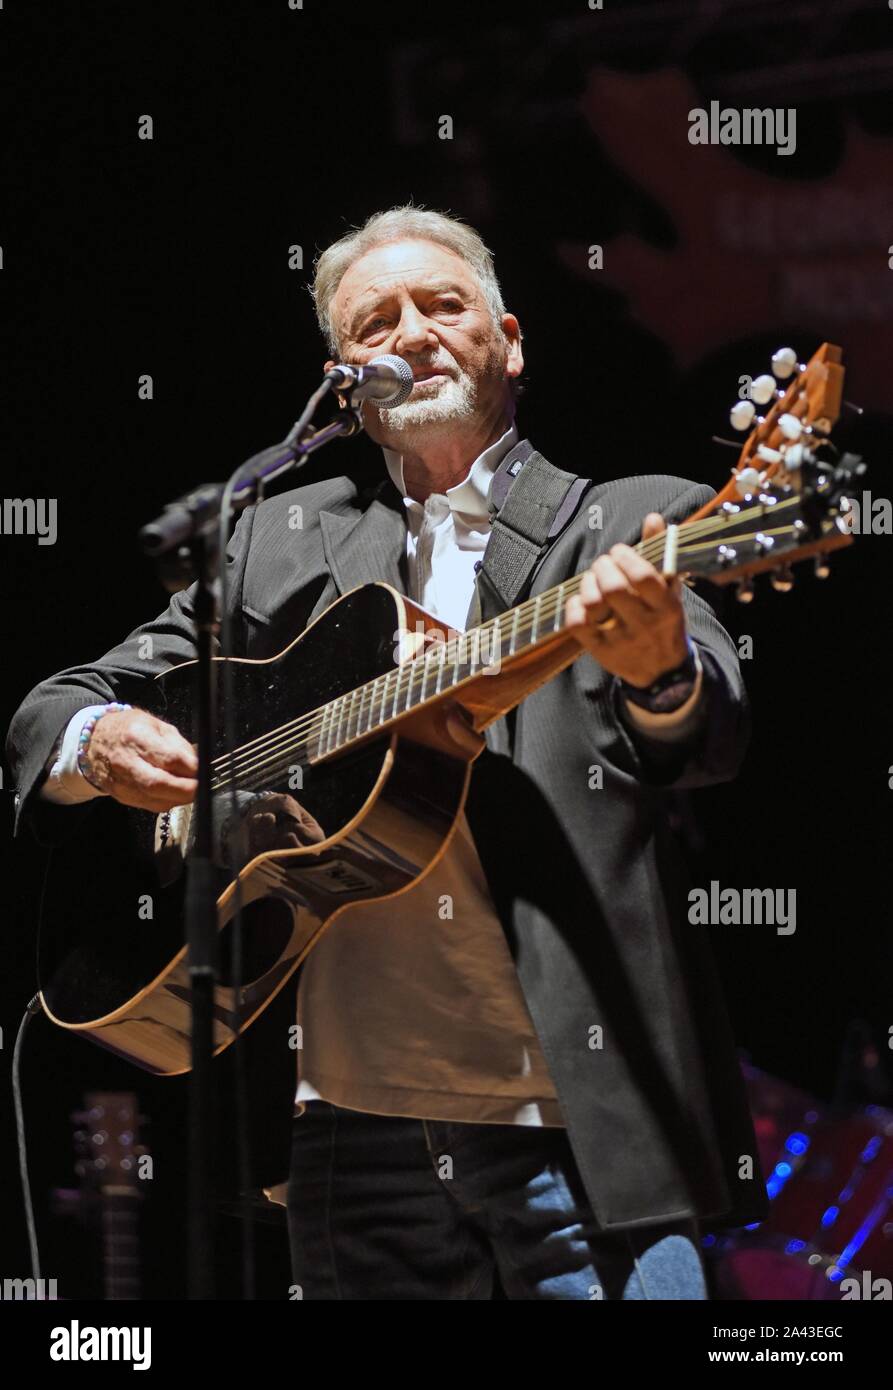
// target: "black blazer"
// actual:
[[588, 884]]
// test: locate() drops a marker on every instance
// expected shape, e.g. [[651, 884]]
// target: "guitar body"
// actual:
[[112, 960]]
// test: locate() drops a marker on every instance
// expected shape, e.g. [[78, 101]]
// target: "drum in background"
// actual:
[[830, 1182]]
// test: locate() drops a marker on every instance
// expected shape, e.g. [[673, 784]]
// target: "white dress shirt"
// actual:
[[405, 1010]]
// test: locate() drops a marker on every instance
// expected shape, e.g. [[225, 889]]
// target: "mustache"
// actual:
[[449, 368]]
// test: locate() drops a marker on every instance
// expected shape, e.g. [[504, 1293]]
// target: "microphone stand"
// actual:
[[184, 539]]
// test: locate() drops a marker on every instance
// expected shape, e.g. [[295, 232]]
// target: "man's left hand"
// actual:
[[644, 633]]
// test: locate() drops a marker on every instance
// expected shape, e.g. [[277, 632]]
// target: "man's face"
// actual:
[[419, 300]]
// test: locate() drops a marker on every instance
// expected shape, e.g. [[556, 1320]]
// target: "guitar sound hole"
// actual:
[[266, 932]]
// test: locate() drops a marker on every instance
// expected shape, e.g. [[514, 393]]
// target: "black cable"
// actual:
[[33, 1008]]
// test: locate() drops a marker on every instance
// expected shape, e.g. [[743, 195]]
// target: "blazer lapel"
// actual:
[[361, 549]]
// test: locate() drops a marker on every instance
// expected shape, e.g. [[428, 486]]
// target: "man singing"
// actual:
[[536, 1080]]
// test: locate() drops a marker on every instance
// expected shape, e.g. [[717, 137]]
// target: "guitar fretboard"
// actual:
[[443, 666]]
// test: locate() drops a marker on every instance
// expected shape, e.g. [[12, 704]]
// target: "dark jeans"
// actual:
[[382, 1207]]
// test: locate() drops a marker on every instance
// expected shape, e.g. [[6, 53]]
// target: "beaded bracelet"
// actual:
[[87, 733]]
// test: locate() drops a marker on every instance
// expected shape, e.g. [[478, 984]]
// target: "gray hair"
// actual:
[[407, 223]]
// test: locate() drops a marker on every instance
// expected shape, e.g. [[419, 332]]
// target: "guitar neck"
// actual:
[[120, 1246], [515, 648], [444, 671], [518, 650]]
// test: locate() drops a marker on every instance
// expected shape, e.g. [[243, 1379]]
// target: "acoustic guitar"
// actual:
[[109, 1153], [377, 742]]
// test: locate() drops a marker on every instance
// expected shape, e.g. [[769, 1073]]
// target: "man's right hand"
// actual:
[[142, 761]]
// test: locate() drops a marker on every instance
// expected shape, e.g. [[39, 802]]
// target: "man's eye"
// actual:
[[451, 304], [370, 327]]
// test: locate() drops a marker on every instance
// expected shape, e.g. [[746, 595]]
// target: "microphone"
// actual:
[[387, 380]]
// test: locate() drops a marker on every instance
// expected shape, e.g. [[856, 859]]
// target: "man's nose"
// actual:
[[414, 332]]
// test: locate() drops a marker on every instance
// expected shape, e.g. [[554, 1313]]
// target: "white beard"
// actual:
[[454, 399]]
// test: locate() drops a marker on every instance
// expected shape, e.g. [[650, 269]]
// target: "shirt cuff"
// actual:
[[65, 783], [679, 723]]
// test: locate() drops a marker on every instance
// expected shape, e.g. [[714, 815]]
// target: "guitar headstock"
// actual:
[[785, 499], [107, 1142]]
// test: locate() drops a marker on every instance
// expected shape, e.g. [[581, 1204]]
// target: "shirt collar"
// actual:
[[471, 496]]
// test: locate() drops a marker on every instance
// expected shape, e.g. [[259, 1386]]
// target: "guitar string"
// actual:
[[291, 737], [406, 675], [405, 684], [280, 757], [449, 655], [387, 690], [652, 547], [270, 750]]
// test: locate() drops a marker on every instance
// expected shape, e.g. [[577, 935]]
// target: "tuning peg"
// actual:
[[821, 568], [744, 590], [790, 426], [741, 415], [784, 363], [769, 455], [851, 466], [746, 481], [782, 580], [762, 389]]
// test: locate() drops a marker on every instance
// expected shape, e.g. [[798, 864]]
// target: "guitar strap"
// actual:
[[531, 502]]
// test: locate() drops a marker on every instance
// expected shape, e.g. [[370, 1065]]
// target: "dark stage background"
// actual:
[[276, 128]]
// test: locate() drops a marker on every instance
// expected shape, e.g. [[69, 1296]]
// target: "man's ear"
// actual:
[[514, 356]]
